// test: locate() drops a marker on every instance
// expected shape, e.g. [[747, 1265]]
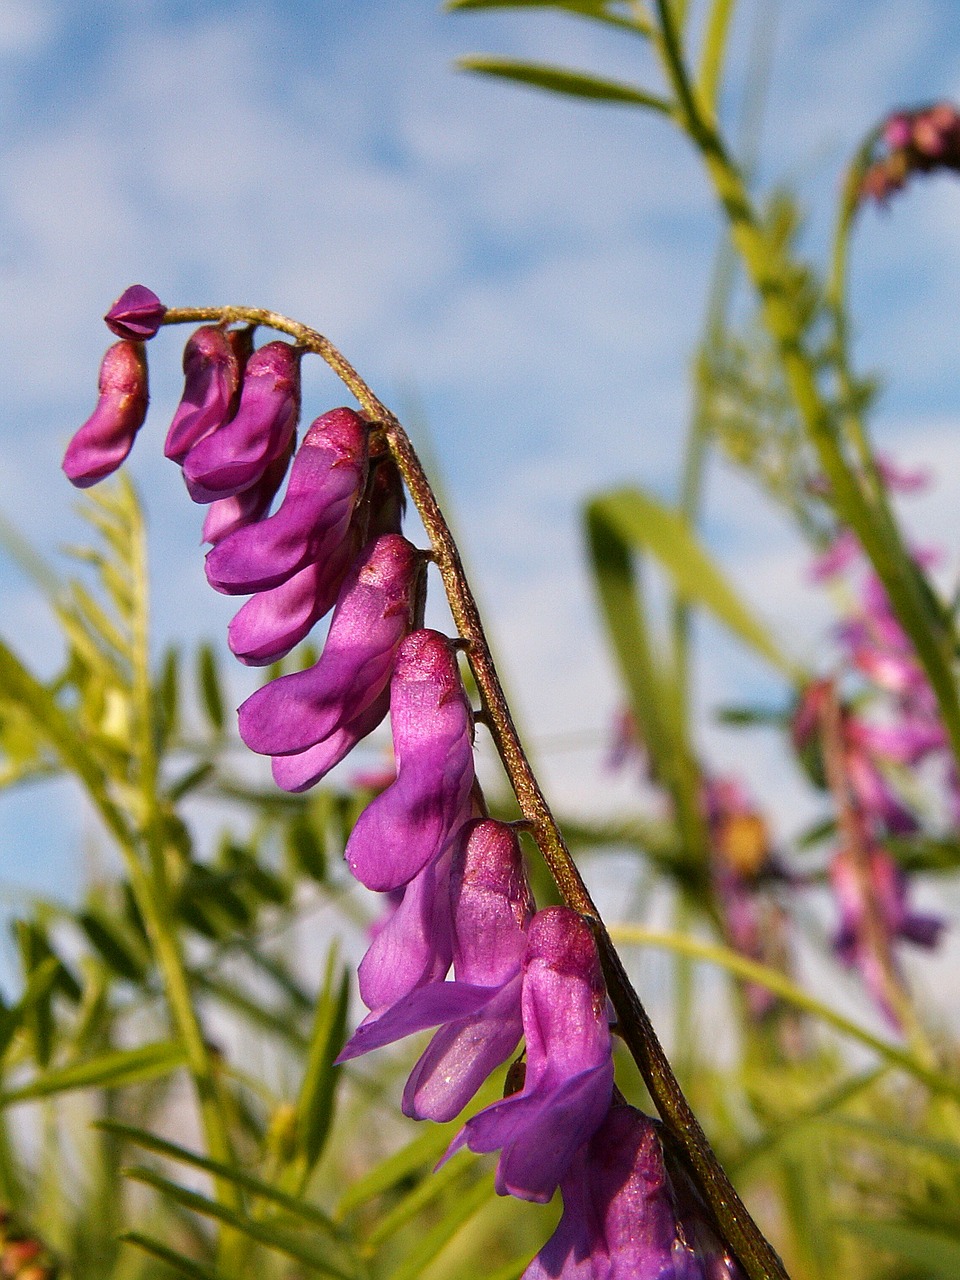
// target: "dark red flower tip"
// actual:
[[137, 314]]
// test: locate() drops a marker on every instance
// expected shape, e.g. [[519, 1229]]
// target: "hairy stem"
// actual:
[[758, 1258]]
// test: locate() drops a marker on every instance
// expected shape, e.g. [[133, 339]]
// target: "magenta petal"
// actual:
[[212, 378], [326, 480], [424, 1007], [569, 1068], [226, 515], [416, 817], [105, 439], [492, 904], [415, 946], [462, 1055], [301, 771], [137, 314], [236, 455], [372, 616]]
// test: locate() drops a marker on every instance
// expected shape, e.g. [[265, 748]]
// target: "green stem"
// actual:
[[758, 1258], [874, 526], [152, 893]]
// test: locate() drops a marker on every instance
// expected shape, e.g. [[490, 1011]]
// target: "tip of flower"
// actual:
[[137, 314]]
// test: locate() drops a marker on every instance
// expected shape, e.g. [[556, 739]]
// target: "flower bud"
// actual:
[[235, 456], [212, 379], [326, 481], [226, 515], [106, 438], [136, 315], [411, 822]]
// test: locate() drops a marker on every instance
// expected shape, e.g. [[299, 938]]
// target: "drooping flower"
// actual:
[[479, 1011], [920, 141], [418, 815], [226, 515], [568, 1080], [373, 615], [136, 315], [326, 480], [304, 769], [213, 366], [105, 439], [622, 1216], [236, 455]]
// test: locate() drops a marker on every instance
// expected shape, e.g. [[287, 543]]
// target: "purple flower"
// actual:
[[107, 436], [136, 315], [300, 771], [326, 481], [479, 1012], [887, 886], [212, 372], [622, 1217], [411, 822], [235, 456], [373, 614], [415, 946], [226, 515], [569, 1066]]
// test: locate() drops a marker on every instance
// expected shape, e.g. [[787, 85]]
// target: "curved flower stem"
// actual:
[[758, 1258]]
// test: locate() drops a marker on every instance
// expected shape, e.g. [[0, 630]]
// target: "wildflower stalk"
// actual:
[[756, 1255], [851, 826], [856, 506]]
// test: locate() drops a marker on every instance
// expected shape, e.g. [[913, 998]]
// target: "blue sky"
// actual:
[[528, 273]]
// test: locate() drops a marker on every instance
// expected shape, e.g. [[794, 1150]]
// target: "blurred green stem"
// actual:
[[856, 507]]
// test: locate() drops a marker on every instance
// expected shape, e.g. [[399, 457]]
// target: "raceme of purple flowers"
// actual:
[[459, 896]]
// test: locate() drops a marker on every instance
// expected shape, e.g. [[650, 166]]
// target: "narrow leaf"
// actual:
[[263, 1232], [109, 1070], [646, 524], [310, 1213], [186, 1266], [925, 1250], [595, 10], [463, 1208], [211, 692], [317, 1093], [578, 84]]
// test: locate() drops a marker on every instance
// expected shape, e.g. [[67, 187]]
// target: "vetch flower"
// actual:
[[568, 1082], [213, 364], [226, 515], [107, 436], [415, 818], [374, 613], [136, 315], [622, 1216], [326, 480], [479, 1011], [236, 455], [303, 769]]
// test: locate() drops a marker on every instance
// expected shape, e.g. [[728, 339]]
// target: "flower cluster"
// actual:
[[459, 896], [891, 726], [919, 141]]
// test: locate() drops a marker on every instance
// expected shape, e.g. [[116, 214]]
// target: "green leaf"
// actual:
[[109, 1070], [463, 1208], [595, 10], [578, 84], [262, 1231], [646, 524], [929, 1251], [310, 1213], [315, 1105], [186, 1266], [39, 984], [118, 952], [211, 692]]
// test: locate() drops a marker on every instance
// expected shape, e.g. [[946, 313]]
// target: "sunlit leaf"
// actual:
[[931, 1252], [578, 84], [109, 1070]]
